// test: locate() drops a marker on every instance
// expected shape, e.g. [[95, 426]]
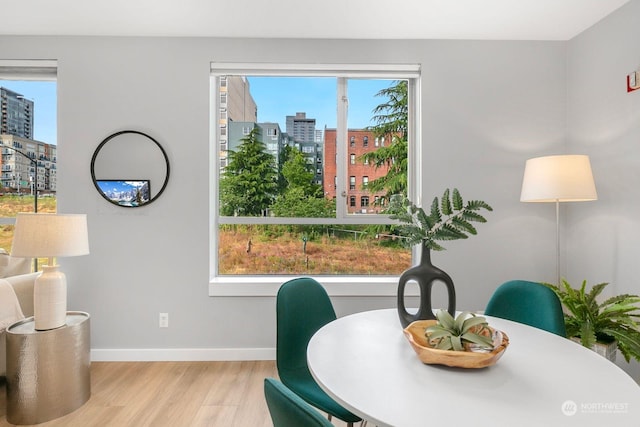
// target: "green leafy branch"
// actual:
[[449, 219]]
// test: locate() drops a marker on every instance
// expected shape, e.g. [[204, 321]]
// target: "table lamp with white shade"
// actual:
[[42, 235], [563, 178]]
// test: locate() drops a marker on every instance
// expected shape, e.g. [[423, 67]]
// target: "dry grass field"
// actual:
[[10, 205], [323, 255], [268, 254]]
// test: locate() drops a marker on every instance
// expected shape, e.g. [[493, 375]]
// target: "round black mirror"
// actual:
[[130, 169]]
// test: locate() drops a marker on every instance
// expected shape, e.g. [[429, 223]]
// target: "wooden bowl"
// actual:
[[460, 359]]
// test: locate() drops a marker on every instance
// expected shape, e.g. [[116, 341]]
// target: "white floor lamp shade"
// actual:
[[50, 235], [566, 178], [563, 178]]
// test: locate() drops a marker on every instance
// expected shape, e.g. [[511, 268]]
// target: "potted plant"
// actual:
[[612, 323], [449, 218]]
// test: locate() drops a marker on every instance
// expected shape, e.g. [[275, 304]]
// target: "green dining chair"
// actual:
[[530, 303], [303, 307], [287, 409]]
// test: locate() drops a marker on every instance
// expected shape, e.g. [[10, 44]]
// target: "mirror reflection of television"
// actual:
[[125, 192]]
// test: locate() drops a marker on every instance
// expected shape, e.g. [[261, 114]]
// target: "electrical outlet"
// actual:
[[164, 320]]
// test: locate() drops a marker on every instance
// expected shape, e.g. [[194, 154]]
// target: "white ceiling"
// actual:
[[353, 19]]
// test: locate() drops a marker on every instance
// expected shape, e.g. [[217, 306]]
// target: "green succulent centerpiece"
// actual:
[[449, 218], [461, 333], [614, 319]]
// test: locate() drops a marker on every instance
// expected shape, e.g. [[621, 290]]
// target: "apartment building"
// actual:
[[359, 199], [308, 140], [27, 165], [236, 105], [16, 114]]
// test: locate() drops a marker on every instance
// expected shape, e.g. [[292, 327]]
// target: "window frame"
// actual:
[[267, 285]]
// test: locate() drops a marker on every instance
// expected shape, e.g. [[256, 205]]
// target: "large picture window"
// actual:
[[283, 193]]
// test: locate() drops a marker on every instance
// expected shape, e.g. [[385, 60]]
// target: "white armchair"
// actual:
[[23, 287]]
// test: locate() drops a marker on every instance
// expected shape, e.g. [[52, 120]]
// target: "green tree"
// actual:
[[302, 197], [249, 183], [296, 172], [295, 203], [391, 118]]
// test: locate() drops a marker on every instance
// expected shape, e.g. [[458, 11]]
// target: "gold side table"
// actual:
[[48, 372]]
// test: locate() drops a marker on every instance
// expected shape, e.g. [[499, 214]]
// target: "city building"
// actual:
[[26, 165], [359, 173], [16, 114], [308, 140], [240, 105], [24, 162], [236, 105], [302, 128], [269, 134]]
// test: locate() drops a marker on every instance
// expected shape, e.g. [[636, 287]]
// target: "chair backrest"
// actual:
[[302, 307], [287, 409], [530, 303]]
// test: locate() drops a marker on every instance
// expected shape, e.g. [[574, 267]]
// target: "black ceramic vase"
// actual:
[[425, 275]]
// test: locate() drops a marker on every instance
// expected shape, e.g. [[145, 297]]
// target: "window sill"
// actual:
[[245, 286]]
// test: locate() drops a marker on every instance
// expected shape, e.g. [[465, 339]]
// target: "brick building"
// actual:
[[358, 198]]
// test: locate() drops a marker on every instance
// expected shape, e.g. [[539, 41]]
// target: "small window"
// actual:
[[364, 201], [352, 158], [365, 141], [365, 181], [352, 201], [352, 141], [352, 183]]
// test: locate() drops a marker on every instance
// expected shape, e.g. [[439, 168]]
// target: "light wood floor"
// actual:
[[171, 394]]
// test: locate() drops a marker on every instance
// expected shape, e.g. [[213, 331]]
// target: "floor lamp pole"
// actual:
[[558, 240]]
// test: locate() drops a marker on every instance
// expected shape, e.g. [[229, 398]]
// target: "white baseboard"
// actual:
[[181, 354]]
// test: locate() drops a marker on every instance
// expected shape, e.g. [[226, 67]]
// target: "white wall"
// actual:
[[603, 237], [487, 107]]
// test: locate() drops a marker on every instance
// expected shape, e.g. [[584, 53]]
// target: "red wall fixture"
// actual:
[[633, 81]]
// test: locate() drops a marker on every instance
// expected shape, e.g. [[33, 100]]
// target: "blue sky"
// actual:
[[43, 95], [278, 97]]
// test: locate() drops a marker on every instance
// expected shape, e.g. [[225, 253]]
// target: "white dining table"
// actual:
[[365, 363]]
